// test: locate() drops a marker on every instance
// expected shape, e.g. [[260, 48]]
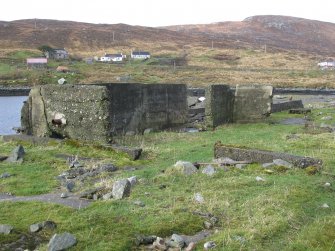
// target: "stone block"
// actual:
[[252, 103]]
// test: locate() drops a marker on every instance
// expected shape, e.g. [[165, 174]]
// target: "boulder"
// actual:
[[5, 229], [121, 189], [17, 155], [186, 168], [61, 242]]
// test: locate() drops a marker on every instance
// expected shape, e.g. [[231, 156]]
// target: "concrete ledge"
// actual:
[[261, 156], [293, 104]]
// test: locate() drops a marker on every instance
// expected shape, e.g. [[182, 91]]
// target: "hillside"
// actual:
[[280, 32], [277, 50]]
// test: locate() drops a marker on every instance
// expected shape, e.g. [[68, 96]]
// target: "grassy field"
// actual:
[[199, 67], [282, 213]]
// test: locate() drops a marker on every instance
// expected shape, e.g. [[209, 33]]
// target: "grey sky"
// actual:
[[163, 12]]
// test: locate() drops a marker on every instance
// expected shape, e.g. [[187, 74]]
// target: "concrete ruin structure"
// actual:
[[102, 111], [99, 112]]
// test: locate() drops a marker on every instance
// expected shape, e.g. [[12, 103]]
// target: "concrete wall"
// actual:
[[252, 102], [136, 107], [219, 105], [99, 112]]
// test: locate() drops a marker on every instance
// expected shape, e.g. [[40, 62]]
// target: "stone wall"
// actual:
[[219, 105], [252, 102], [99, 112]]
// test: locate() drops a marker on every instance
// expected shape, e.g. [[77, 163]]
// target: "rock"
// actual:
[[61, 241], [225, 161], [70, 186], [17, 155], [187, 168], [61, 81], [209, 245], [177, 241], [5, 229], [48, 224], [34, 228], [325, 205], [73, 162], [208, 225], [259, 179], [107, 196], [327, 184], [268, 165], [145, 240], [64, 195], [88, 194], [139, 203], [5, 175], [121, 189], [130, 133], [191, 246], [198, 198], [209, 170], [2, 158], [107, 168], [280, 162], [132, 180], [159, 244]]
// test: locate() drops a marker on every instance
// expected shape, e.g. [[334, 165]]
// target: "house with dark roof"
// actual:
[[140, 55], [57, 54]]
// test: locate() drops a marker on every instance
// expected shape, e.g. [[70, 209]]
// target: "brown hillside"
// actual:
[[84, 36], [280, 32]]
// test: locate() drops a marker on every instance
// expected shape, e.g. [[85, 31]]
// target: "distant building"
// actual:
[[140, 55], [112, 58], [327, 64], [57, 54], [37, 62]]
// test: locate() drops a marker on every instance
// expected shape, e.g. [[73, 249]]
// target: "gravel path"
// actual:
[[71, 201]]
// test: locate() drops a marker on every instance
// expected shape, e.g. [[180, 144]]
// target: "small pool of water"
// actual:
[[10, 113]]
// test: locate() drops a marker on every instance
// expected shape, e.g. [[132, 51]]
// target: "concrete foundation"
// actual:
[[261, 156]]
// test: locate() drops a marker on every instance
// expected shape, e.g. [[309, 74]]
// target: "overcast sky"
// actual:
[[163, 12]]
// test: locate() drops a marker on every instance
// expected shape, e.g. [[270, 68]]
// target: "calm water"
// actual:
[[10, 113]]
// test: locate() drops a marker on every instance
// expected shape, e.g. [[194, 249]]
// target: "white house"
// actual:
[[112, 58], [330, 64], [140, 55]]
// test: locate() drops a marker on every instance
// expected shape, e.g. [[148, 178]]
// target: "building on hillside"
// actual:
[[140, 55], [327, 65], [112, 58], [57, 54], [37, 62]]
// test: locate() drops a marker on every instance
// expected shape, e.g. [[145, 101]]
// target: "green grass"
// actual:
[[282, 213]]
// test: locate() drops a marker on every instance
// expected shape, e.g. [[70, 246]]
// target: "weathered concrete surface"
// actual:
[[261, 156], [252, 102], [136, 107], [219, 105], [287, 105], [68, 111], [98, 112]]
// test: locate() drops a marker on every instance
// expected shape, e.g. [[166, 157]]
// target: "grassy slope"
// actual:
[[285, 69], [282, 213]]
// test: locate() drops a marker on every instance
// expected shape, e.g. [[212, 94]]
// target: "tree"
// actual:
[[46, 49]]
